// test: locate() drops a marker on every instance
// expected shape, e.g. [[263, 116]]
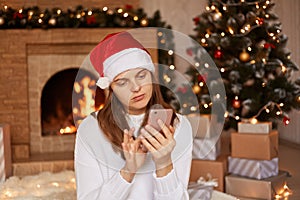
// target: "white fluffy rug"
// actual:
[[53, 186], [45, 186]]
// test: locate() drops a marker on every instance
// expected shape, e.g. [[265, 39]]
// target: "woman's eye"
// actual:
[[141, 76], [121, 82]]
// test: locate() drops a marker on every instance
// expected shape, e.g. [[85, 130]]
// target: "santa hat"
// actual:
[[116, 53]]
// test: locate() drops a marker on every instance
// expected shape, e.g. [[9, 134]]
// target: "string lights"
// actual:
[[33, 17]]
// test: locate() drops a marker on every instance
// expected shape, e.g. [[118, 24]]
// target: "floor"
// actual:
[[289, 160]]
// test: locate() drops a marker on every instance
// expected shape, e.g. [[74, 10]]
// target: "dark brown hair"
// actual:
[[113, 125]]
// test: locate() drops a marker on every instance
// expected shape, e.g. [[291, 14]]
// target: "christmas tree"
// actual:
[[244, 39]]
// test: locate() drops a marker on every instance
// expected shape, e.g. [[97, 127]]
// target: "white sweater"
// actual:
[[97, 166]]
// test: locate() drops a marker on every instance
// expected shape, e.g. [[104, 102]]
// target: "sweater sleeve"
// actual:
[[174, 185], [90, 177]]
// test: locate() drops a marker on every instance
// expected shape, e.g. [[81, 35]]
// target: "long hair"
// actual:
[[113, 124]]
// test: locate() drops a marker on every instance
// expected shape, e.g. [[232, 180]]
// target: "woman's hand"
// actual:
[[160, 146], [134, 155]]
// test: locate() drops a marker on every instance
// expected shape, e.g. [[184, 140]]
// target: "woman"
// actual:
[[117, 154]]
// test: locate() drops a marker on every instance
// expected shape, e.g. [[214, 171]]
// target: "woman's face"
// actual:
[[133, 88]]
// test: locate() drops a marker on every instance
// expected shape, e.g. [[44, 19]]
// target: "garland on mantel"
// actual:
[[33, 17], [105, 17]]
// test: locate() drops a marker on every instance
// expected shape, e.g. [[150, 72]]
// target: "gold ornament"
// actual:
[[196, 89], [244, 56]]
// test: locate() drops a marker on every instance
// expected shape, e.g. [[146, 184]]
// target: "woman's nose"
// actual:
[[135, 86]]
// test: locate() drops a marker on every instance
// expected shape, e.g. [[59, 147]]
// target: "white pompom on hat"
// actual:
[[116, 53]]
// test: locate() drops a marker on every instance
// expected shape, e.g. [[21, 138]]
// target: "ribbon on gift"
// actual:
[[204, 182], [209, 181], [202, 189]]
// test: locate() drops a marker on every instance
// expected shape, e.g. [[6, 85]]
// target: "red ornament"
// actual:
[[286, 120], [196, 20], [268, 45], [260, 21], [18, 15], [202, 77], [182, 90], [236, 103], [218, 54], [91, 20], [189, 51]]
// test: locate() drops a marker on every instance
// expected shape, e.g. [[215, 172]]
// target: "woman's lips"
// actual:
[[138, 98]]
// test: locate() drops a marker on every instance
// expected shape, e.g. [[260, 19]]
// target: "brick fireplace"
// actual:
[[29, 58]]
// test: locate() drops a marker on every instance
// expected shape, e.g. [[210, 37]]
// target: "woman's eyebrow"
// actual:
[[120, 79], [142, 70]]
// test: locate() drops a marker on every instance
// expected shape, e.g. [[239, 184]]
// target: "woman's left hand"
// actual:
[[160, 145]]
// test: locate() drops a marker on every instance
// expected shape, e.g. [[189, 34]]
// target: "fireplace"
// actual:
[[30, 60], [67, 98]]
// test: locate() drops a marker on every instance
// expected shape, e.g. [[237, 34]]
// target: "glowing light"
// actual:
[[78, 16], [222, 34], [218, 96], [281, 104], [144, 22], [105, 9], [90, 13], [213, 7], [230, 30], [125, 15], [201, 84], [283, 68], [267, 110], [203, 40], [193, 108], [197, 64], [163, 41], [170, 52], [257, 6], [207, 8], [263, 84], [206, 65], [159, 34], [278, 113], [249, 49], [237, 117], [224, 8], [40, 21], [253, 121], [5, 7], [267, 15], [21, 10], [243, 31], [120, 10], [226, 114], [135, 18], [206, 35], [172, 67], [267, 2], [55, 184], [222, 69], [184, 105], [205, 105], [58, 11]]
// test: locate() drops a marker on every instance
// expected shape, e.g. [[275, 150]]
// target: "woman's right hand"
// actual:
[[134, 155]]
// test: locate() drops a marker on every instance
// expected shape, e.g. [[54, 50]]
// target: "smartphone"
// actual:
[[164, 114]]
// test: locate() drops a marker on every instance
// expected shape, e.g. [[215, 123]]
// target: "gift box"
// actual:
[[5, 153], [258, 169], [216, 168], [204, 126], [252, 188], [255, 146], [206, 148], [259, 127]]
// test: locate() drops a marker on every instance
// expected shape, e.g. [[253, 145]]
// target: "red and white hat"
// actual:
[[116, 53]]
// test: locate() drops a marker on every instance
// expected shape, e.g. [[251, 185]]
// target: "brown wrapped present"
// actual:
[[257, 189], [216, 168], [254, 146]]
